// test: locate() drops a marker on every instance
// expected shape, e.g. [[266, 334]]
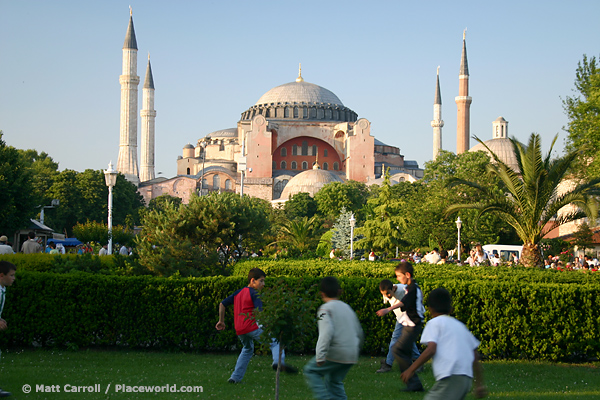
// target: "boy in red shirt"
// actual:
[[244, 302]]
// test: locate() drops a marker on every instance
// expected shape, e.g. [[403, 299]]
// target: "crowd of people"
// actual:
[[33, 244]]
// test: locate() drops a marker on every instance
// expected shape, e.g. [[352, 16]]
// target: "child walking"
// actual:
[[338, 346], [7, 277], [412, 323], [392, 294], [244, 302], [454, 352]]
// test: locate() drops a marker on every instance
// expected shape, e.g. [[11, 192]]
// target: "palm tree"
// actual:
[[301, 233], [530, 200]]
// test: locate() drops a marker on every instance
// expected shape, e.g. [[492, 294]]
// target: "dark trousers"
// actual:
[[402, 352]]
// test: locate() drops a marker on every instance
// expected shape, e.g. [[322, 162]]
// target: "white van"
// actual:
[[505, 251]]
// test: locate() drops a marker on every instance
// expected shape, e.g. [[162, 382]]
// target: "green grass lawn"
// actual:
[[505, 379]]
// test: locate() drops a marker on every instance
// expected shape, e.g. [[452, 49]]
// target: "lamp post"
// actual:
[[55, 203], [110, 175], [352, 223], [203, 144], [458, 226]]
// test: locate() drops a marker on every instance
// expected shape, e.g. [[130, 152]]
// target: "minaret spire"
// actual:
[[437, 123], [127, 162], [148, 115], [463, 103]]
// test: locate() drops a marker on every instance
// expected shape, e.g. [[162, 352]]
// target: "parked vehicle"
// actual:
[[506, 252]]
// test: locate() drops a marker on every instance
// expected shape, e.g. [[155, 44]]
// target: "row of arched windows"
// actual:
[[304, 150], [216, 183], [294, 165]]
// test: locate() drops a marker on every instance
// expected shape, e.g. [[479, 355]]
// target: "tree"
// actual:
[[530, 201], [191, 239], [340, 239], [583, 111], [300, 205], [288, 316], [332, 197], [44, 170], [159, 203], [17, 205], [97, 232], [584, 237], [382, 227], [301, 234], [83, 197]]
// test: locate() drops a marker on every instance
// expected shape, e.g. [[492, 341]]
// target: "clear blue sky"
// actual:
[[61, 61]]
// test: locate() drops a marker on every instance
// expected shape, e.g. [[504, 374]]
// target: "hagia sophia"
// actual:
[[297, 137]]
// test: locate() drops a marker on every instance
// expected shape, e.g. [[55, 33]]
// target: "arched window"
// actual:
[[314, 150], [283, 152], [274, 165], [294, 165], [295, 112], [283, 165], [325, 166], [227, 184], [216, 182], [304, 148], [325, 153], [286, 112], [304, 165], [295, 150], [336, 166], [204, 184], [221, 146], [188, 171]]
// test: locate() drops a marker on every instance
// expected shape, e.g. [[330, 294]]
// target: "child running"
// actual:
[[454, 352], [244, 302], [338, 346]]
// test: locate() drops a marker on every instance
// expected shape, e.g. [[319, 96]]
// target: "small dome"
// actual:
[[310, 182], [298, 92], [188, 146], [500, 119], [223, 133], [503, 148]]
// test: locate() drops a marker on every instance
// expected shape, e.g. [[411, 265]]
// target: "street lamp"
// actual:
[[55, 203], [352, 223], [458, 226], [110, 175]]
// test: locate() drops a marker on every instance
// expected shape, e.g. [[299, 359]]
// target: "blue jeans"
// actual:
[[395, 336], [327, 381], [243, 360]]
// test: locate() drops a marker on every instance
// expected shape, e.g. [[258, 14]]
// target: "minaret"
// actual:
[[437, 123], [148, 115], [463, 103], [127, 162]]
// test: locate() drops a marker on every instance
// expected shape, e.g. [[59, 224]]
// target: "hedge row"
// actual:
[[512, 319], [423, 271]]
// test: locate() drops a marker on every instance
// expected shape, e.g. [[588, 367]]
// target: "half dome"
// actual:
[[310, 182]]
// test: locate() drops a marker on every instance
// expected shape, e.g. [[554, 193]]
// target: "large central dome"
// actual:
[[299, 92]]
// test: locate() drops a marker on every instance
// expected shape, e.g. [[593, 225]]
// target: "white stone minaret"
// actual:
[[437, 123], [127, 162], [463, 103], [148, 115]]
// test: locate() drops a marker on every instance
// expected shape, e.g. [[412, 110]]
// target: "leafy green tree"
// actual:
[[159, 203], [583, 111], [530, 201], [300, 205], [17, 205], [97, 232], [43, 169], [583, 237], [332, 197], [381, 230], [288, 316], [192, 238], [83, 197]]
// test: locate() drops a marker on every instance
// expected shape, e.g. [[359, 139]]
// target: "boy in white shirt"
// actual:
[[392, 294], [454, 352]]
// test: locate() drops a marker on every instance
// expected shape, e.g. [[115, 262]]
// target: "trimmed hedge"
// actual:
[[512, 319]]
